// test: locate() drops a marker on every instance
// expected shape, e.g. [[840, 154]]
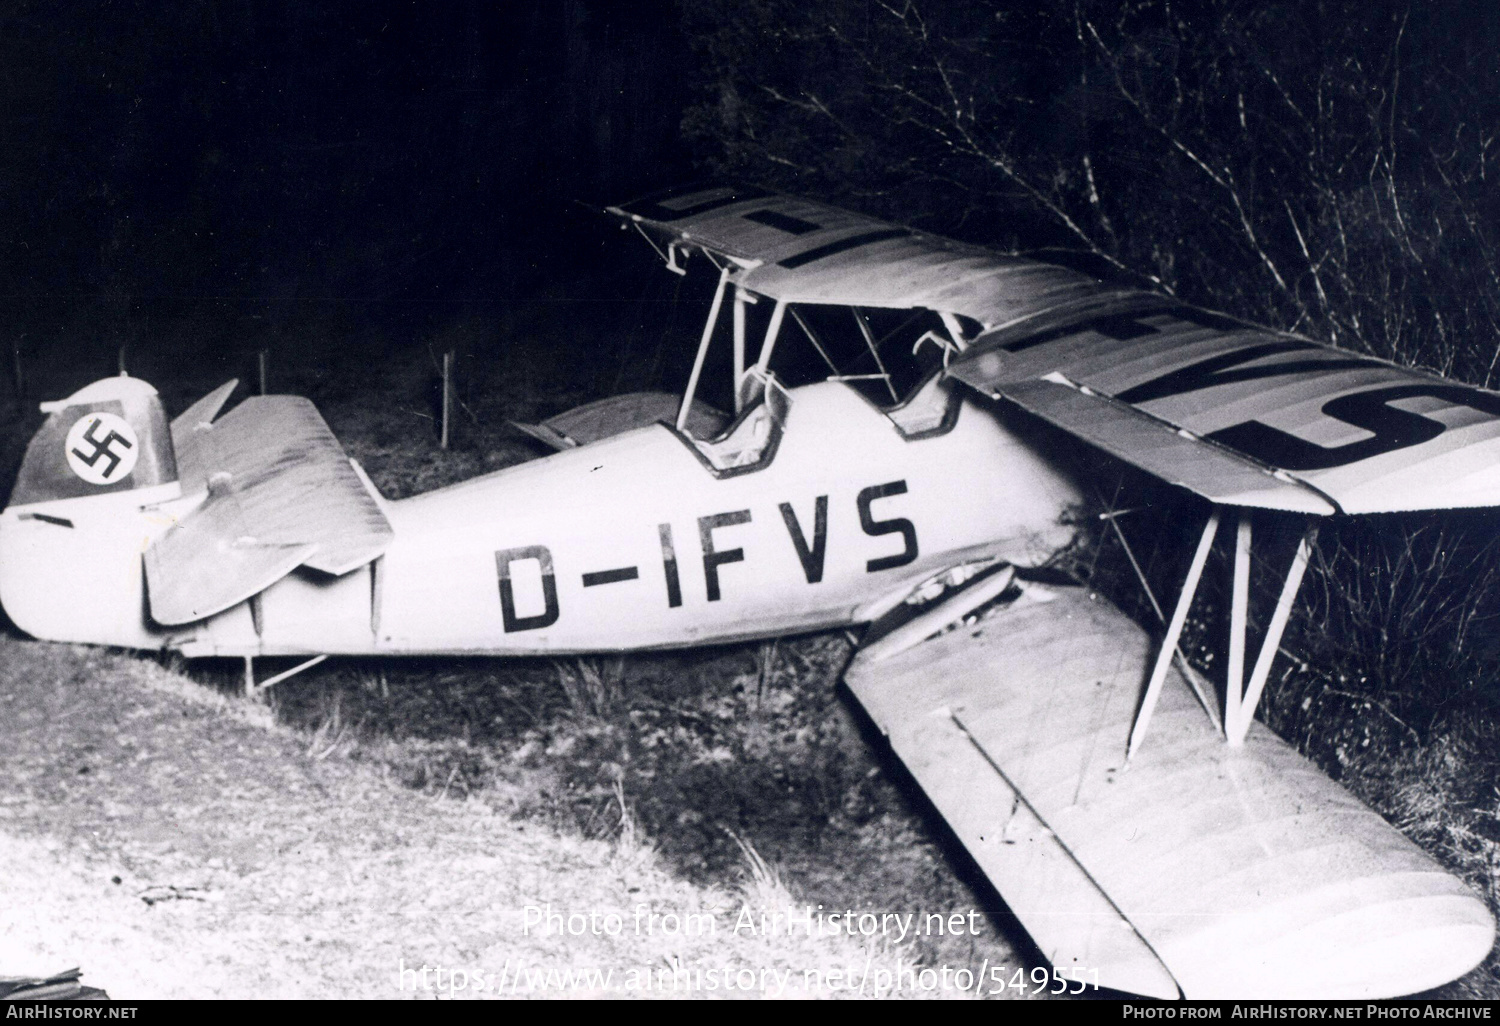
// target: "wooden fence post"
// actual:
[[447, 394]]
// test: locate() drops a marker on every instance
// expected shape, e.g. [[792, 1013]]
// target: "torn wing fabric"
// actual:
[[1238, 414], [281, 494]]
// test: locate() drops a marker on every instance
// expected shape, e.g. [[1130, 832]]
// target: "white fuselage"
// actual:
[[630, 542]]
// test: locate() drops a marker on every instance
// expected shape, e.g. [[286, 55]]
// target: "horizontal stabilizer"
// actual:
[[198, 417], [1246, 871], [210, 562], [280, 485]]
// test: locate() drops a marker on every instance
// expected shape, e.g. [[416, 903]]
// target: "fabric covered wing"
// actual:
[[804, 252], [279, 487], [1214, 471], [1323, 430], [1246, 872], [1362, 434]]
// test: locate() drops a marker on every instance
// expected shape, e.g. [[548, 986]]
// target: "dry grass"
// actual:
[[710, 751], [177, 844]]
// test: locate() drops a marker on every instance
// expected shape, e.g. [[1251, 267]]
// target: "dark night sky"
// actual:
[[274, 148]]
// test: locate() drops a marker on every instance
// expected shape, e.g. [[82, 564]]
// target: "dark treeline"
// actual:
[[285, 150]]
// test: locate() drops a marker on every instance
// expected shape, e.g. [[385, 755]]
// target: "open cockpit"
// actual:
[[734, 405]]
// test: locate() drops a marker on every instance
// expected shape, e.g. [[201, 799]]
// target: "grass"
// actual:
[[708, 764], [176, 843]]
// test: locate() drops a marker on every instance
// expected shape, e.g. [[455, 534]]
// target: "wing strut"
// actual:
[[778, 313], [1240, 696], [708, 336], [1189, 672], [741, 298], [1174, 631], [1239, 615], [1237, 727], [874, 347]]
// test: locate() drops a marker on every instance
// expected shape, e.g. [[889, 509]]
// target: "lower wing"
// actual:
[[1200, 869]]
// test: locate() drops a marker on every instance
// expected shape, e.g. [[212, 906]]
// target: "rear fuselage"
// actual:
[[630, 542]]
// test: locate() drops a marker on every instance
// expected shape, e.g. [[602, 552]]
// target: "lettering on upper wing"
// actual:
[[656, 208], [717, 542], [1229, 368], [673, 208], [1391, 429]]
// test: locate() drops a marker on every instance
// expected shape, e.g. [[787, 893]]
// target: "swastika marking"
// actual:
[[102, 448]]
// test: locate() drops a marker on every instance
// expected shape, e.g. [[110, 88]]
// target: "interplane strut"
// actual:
[[1241, 696]]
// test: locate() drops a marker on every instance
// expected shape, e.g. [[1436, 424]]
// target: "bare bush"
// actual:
[[1406, 608], [1320, 167]]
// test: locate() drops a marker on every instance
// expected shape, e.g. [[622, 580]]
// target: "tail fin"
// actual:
[[109, 437]]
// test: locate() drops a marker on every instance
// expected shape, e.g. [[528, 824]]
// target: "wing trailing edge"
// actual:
[[1170, 453]]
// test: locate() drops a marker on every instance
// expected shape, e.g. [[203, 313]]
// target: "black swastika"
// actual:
[[102, 449]]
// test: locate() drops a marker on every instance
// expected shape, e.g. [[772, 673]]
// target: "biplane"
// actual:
[[870, 441]]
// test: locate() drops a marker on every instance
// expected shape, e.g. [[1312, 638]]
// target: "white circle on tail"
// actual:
[[102, 448]]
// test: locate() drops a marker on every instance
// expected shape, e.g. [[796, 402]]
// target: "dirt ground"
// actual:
[[175, 843]]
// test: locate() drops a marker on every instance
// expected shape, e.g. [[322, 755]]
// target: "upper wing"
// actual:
[[281, 494], [1225, 872], [1241, 415], [803, 252], [1362, 435]]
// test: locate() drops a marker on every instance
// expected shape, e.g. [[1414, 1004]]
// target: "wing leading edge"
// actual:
[[1244, 872], [804, 252]]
